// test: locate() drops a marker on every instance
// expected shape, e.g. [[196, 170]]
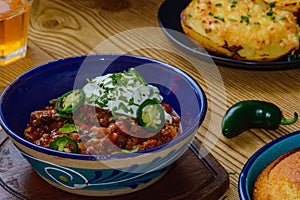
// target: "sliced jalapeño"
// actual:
[[151, 115], [64, 144], [70, 101]]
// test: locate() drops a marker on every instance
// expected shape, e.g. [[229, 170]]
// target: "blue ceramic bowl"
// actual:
[[261, 159], [100, 175]]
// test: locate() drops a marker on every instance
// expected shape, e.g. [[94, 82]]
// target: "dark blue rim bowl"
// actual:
[[66, 71], [261, 159]]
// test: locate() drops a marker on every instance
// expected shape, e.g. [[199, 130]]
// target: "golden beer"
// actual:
[[14, 20]]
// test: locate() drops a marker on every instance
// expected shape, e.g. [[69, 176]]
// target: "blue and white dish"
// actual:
[[100, 175]]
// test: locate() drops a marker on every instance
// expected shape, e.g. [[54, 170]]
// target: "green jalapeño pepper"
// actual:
[[138, 76], [253, 114], [70, 101], [65, 144], [151, 115]]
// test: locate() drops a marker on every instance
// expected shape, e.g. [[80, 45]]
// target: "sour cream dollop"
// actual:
[[121, 92]]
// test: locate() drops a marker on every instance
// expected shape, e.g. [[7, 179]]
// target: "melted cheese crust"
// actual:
[[242, 29], [289, 5]]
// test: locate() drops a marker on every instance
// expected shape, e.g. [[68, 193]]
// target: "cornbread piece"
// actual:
[[281, 179], [241, 29]]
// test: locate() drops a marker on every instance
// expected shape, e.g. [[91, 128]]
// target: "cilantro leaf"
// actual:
[[68, 128]]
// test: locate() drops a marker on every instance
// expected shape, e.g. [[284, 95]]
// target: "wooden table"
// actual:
[[60, 29]]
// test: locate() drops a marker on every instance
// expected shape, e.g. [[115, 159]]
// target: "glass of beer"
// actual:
[[14, 21]]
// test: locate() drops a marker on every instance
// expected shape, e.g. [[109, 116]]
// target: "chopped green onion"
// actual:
[[282, 18], [245, 19], [232, 20], [272, 4], [270, 13], [219, 18]]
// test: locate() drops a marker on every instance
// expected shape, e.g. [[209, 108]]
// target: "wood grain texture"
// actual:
[[60, 29]]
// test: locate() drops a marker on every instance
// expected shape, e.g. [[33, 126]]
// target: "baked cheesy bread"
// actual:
[[241, 29], [289, 5]]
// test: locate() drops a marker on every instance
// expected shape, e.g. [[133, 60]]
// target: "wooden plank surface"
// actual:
[[60, 29]]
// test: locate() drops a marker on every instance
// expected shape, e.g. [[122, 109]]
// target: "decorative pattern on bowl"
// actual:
[[76, 178]]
